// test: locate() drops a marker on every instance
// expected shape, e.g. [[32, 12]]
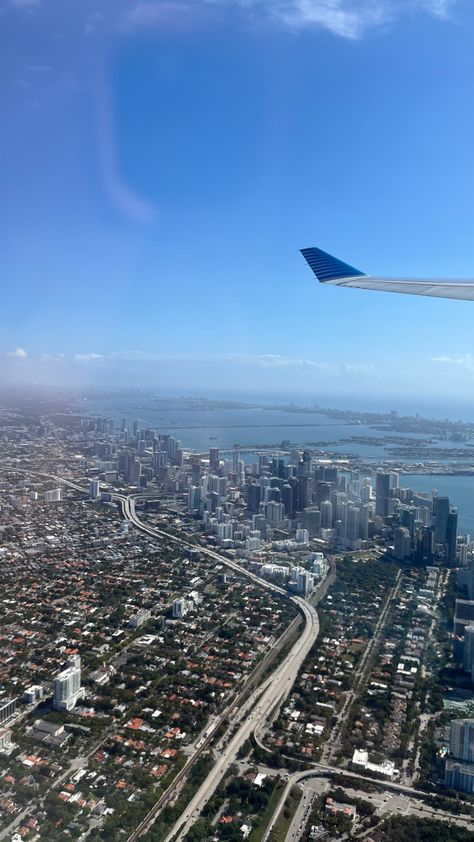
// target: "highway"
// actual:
[[272, 693]]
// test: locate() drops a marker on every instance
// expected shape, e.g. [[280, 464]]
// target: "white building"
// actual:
[[67, 685], [360, 759], [181, 607], [54, 496], [270, 570], [33, 694], [253, 541], [138, 619], [304, 583], [6, 744]]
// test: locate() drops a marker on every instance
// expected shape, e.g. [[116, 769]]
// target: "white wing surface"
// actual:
[[331, 270]]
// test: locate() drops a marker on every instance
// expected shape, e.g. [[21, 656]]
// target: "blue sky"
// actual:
[[162, 163]]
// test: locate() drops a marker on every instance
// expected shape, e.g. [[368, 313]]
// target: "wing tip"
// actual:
[[328, 268]]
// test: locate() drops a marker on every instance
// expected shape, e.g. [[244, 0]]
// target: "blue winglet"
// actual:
[[328, 268]]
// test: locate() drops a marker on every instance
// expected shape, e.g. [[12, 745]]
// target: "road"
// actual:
[[334, 741], [272, 693], [302, 814], [404, 801]]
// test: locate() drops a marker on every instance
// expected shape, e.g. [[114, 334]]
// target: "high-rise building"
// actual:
[[402, 543], [459, 776], [235, 458], [214, 460], [194, 497], [67, 685], [134, 471], [311, 520], [440, 514], [304, 484], [304, 583], [323, 492], [94, 489], [274, 512], [351, 523], [254, 493], [364, 517], [180, 608], [468, 651], [54, 496], [160, 460], [7, 710], [463, 615], [326, 514], [382, 494], [470, 579], [451, 537], [461, 744]]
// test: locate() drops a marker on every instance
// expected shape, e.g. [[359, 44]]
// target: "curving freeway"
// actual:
[[264, 699]]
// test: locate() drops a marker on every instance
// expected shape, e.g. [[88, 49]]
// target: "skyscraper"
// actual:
[[214, 460], [461, 743], [67, 685], [382, 494], [402, 543], [441, 512], [326, 514], [468, 652], [451, 537]]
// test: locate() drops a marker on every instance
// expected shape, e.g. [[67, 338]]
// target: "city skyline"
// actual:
[[167, 162]]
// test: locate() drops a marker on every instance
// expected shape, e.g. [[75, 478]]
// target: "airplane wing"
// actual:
[[331, 270]]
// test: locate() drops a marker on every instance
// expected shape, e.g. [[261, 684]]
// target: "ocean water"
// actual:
[[199, 428]]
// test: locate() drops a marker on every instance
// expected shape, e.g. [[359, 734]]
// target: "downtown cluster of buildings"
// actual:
[[92, 646], [245, 503]]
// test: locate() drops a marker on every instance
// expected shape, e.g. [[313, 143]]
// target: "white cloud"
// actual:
[[18, 353], [91, 357], [341, 17], [465, 361], [278, 361], [346, 18], [113, 360]]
